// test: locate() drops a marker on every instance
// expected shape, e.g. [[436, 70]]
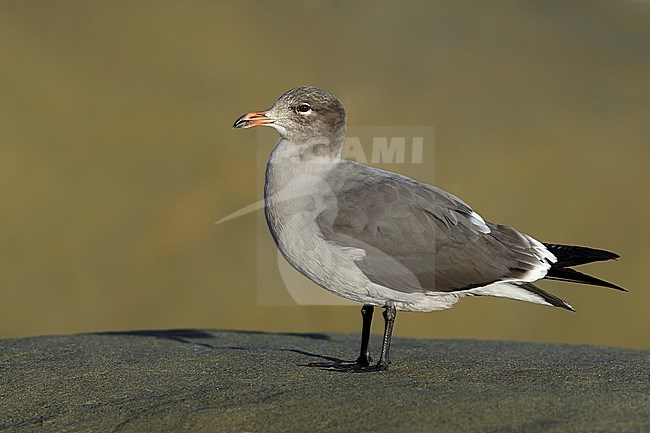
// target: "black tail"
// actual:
[[569, 255]]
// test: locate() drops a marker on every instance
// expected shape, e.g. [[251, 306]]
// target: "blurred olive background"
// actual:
[[117, 154]]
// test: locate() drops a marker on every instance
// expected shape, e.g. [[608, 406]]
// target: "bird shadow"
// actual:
[[189, 336], [331, 359], [198, 337], [331, 363]]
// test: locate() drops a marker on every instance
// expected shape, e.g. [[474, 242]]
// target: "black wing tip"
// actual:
[[573, 276], [609, 255], [573, 255], [613, 286], [619, 288]]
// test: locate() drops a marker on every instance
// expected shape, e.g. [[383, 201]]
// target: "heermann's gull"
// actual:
[[386, 240]]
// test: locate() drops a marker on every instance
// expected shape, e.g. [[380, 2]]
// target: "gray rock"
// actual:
[[234, 381]]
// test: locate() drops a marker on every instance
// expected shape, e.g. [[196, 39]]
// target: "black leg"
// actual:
[[389, 318], [362, 363], [364, 355]]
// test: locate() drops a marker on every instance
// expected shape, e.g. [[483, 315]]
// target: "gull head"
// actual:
[[301, 115]]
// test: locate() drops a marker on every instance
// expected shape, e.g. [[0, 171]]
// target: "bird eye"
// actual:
[[303, 108]]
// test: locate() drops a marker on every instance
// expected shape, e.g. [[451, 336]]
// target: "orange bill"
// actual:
[[254, 118]]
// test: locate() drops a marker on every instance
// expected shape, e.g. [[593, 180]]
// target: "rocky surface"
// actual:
[[231, 381]]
